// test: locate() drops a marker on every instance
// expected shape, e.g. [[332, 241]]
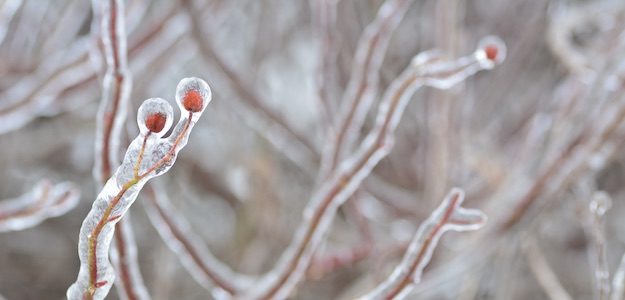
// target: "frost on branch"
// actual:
[[43, 202], [448, 216], [149, 155]]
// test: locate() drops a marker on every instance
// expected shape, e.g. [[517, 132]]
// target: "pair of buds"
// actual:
[[156, 115]]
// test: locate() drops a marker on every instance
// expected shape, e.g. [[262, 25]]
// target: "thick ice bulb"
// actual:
[[155, 116], [491, 51], [193, 95]]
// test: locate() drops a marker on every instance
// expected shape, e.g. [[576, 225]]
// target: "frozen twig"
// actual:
[[43, 202], [38, 94], [280, 127], [149, 155], [116, 87], [448, 216], [543, 272], [428, 69], [363, 82], [7, 11], [177, 233], [33, 95], [130, 285], [324, 20], [574, 157], [599, 205], [618, 281], [109, 26]]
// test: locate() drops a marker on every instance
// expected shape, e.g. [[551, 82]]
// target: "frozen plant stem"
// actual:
[[116, 87], [43, 202], [618, 282], [152, 156], [177, 233], [427, 68], [109, 29], [363, 81], [448, 216], [542, 271], [599, 205]]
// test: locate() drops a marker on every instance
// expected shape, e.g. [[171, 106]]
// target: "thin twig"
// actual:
[[448, 216], [426, 69], [543, 272], [43, 202], [363, 82], [182, 240]]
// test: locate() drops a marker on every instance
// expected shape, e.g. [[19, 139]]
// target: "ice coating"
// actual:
[[600, 203], [448, 216], [192, 253], [44, 201], [491, 51], [127, 261], [364, 79], [430, 69], [193, 95], [148, 156], [151, 113]]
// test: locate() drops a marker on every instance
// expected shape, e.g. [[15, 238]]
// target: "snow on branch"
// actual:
[[149, 155], [44, 201], [449, 216]]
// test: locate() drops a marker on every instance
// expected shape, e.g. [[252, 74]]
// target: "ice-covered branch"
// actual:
[[39, 93], [324, 20], [109, 26], [448, 216], [177, 233], [130, 285], [43, 202], [574, 158], [149, 155], [363, 82], [599, 205], [116, 87], [543, 272], [298, 147], [35, 94], [618, 281], [7, 11], [428, 69]]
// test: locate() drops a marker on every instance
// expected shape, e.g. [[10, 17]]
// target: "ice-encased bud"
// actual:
[[491, 51], [193, 95], [155, 116]]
